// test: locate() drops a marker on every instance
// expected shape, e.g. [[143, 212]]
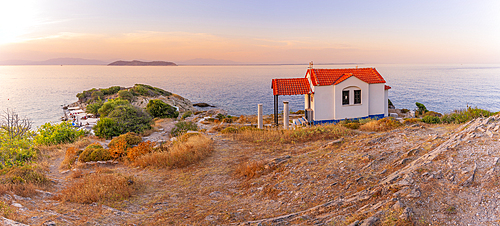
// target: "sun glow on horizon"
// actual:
[[17, 18]]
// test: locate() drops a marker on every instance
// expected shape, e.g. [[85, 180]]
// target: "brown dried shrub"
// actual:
[[141, 149]]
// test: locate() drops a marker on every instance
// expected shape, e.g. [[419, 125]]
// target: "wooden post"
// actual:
[[276, 110], [259, 115], [285, 115]]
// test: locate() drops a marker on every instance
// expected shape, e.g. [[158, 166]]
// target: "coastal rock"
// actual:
[[202, 105]]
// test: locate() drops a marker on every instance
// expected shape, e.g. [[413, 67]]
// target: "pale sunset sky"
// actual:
[[425, 31]]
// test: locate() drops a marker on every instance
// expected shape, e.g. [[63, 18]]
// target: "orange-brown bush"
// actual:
[[130, 138], [380, 125], [139, 150], [118, 149], [181, 154], [69, 158], [250, 170], [99, 187]]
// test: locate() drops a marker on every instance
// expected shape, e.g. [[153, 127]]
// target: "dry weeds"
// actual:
[[100, 187], [181, 154]]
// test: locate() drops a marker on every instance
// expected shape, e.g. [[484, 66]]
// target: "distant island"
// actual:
[[141, 63]]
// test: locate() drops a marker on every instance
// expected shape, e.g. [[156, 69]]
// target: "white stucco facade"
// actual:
[[326, 101]]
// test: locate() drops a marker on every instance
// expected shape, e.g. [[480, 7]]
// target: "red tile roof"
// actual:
[[291, 86], [326, 77], [387, 87]]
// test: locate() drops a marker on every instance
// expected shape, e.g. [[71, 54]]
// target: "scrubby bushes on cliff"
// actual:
[[147, 90], [158, 108], [110, 105], [126, 95], [119, 117], [92, 95], [93, 108]]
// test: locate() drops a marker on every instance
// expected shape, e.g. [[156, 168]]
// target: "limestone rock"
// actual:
[[370, 221], [398, 205], [414, 193], [8, 222]]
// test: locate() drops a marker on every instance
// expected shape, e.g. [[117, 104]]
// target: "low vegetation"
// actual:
[[119, 117], [301, 134], [456, 117], [52, 134], [94, 152], [160, 109], [180, 154], [101, 186], [182, 127], [384, 124]]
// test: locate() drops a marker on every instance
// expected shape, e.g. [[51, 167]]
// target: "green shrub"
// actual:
[[110, 105], [182, 127], [421, 108], [131, 119], [126, 95], [404, 110], [111, 90], [106, 128], [158, 108], [430, 119], [93, 108], [220, 116], [121, 117], [94, 152], [63, 132], [186, 114]]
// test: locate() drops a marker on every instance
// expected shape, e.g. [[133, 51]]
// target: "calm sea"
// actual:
[[39, 91]]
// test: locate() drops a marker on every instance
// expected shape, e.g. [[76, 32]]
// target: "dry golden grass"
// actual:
[[69, 158], [380, 125], [305, 134], [181, 154], [100, 187], [249, 170], [23, 181]]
